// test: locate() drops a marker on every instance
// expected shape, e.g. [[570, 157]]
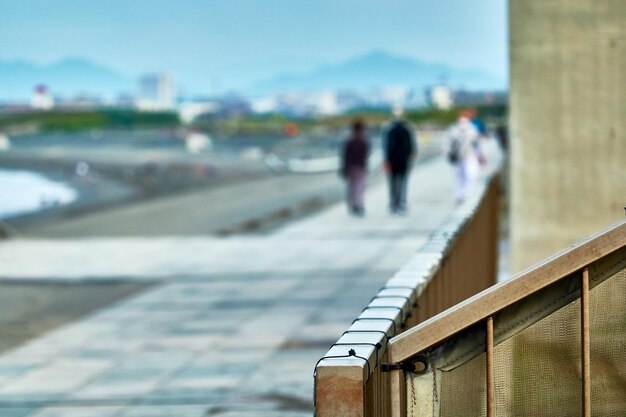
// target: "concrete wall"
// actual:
[[568, 122]]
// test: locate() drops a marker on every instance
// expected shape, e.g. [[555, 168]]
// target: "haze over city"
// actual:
[[214, 47]]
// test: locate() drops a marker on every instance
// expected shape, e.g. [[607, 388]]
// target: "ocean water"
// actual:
[[26, 192]]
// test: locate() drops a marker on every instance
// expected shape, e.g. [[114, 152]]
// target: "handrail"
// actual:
[[458, 260], [494, 299]]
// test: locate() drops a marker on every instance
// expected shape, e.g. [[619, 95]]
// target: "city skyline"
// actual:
[[78, 77], [235, 44]]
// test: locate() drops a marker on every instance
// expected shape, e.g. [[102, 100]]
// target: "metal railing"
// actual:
[[550, 341], [457, 261]]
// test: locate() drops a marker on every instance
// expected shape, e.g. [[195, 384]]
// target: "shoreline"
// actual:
[[113, 208], [25, 192], [106, 193], [148, 192]]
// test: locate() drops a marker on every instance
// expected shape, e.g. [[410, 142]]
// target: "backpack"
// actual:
[[454, 153]]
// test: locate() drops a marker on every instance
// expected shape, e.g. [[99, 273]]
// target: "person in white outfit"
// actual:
[[462, 148]]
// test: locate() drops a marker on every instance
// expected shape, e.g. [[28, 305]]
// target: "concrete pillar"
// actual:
[[567, 122]]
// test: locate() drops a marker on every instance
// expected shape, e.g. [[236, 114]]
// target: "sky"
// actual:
[[231, 43]]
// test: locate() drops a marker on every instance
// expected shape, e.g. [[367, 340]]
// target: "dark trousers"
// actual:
[[398, 180]]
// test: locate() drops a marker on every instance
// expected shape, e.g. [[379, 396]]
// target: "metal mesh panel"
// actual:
[[543, 379], [538, 371], [463, 390], [608, 346]]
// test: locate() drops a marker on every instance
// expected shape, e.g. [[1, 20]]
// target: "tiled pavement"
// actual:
[[234, 328]]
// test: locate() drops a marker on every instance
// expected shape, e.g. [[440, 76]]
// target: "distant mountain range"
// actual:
[[73, 76], [67, 77], [380, 69]]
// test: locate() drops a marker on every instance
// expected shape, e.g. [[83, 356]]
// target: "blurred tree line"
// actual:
[[89, 119], [245, 124]]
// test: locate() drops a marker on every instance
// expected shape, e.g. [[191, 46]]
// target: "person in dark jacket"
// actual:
[[354, 167], [400, 150]]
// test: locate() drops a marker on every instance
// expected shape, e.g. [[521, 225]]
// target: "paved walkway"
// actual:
[[236, 325]]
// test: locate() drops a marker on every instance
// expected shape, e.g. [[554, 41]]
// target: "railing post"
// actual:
[[340, 391], [491, 412], [398, 393], [586, 351]]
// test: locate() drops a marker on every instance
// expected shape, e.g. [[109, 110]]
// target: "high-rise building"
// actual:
[[441, 97], [41, 98], [156, 92]]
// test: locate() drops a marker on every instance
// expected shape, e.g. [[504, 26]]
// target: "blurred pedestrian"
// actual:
[[354, 167], [482, 133], [400, 149], [477, 122], [464, 153], [502, 133]]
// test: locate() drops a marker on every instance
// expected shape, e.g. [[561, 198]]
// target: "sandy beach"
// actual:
[[158, 187]]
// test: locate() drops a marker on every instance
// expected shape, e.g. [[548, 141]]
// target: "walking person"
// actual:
[[354, 167], [464, 153], [400, 149]]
